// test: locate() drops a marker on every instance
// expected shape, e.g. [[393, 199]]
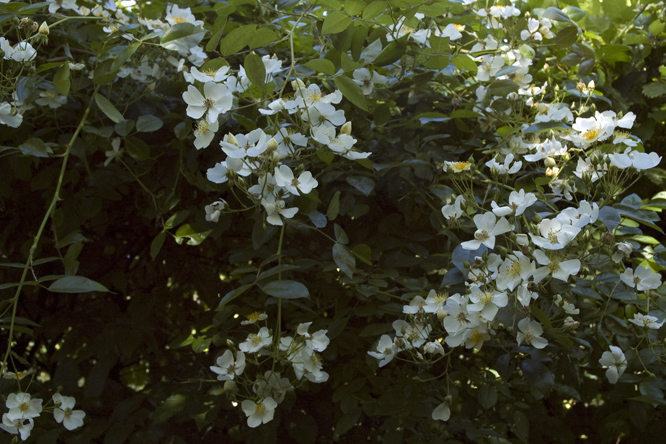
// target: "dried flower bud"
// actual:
[[25, 22], [608, 238]]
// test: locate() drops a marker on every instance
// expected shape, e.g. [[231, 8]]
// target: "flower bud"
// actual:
[[346, 128], [550, 162], [591, 85], [44, 28], [527, 51], [231, 139], [229, 386], [522, 240], [441, 314], [297, 84], [608, 238], [272, 145]]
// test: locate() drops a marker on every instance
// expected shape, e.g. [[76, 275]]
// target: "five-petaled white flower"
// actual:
[[530, 332], [228, 367], [259, 412], [17, 426], [616, 363], [22, 407], [285, 178], [64, 414], [646, 321], [487, 228], [256, 342], [642, 278], [215, 100]]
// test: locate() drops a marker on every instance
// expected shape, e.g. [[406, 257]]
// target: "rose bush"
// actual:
[[332, 221]]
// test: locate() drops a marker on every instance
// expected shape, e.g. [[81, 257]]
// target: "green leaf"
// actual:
[[653, 90], [124, 55], [502, 88], [363, 252], [177, 32], [340, 234], [352, 91], [574, 13], [374, 9], [463, 61], [487, 396], [124, 128], [545, 126], [364, 184], [148, 124], [344, 259], [61, 79], [286, 290], [76, 284], [237, 39], [277, 269], [347, 421], [263, 37], [464, 113], [108, 108], [391, 54], [137, 148], [610, 217], [171, 406], [193, 234], [255, 70], [656, 27], [35, 147], [333, 207], [218, 30], [556, 14], [336, 22], [348, 64], [233, 294], [324, 66], [156, 244], [566, 36]]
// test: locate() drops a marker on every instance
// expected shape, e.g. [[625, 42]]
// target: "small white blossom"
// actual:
[[530, 332], [646, 321], [488, 227], [227, 367], [259, 412], [616, 363], [64, 414], [642, 278]]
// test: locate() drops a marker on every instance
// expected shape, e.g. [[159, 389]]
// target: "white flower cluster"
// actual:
[[23, 409], [517, 247], [264, 155], [269, 389]]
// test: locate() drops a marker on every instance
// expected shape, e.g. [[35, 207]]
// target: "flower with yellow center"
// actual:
[[259, 412]]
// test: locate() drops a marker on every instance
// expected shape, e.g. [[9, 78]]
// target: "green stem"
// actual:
[[47, 216]]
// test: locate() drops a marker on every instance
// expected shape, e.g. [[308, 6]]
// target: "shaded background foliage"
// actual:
[[137, 358]]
